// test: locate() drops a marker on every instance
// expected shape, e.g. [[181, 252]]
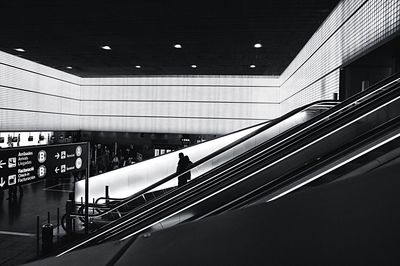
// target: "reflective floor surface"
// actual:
[[18, 217]]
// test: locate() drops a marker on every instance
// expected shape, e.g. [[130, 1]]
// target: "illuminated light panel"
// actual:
[[106, 47], [138, 66], [257, 45], [178, 46], [252, 66], [19, 49], [193, 66], [69, 67]]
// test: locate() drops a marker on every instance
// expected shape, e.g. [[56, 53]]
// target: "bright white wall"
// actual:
[[178, 104], [354, 27], [36, 97]]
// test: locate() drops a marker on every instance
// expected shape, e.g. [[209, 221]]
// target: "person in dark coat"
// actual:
[[187, 163], [183, 164]]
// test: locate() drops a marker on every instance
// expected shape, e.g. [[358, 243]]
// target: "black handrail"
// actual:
[[341, 107], [281, 181], [208, 157], [144, 216], [220, 183]]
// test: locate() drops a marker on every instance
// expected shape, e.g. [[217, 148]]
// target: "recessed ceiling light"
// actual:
[[19, 49], [193, 66], [69, 67], [106, 47], [138, 66], [257, 45], [178, 46], [252, 66]]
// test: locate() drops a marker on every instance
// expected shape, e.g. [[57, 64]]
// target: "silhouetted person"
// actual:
[[183, 164], [188, 163]]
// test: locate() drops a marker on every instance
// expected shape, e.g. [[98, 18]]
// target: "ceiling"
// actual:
[[216, 36]]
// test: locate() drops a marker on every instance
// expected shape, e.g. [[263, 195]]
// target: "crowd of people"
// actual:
[[103, 159]]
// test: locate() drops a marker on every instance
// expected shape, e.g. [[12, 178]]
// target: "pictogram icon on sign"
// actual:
[[12, 162], [57, 156], [78, 163], [42, 156], [42, 171], [2, 163], [56, 170], [2, 183], [78, 151], [63, 155], [12, 180], [63, 168]]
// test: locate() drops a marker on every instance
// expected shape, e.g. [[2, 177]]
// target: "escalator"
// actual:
[[112, 208], [116, 207], [277, 165]]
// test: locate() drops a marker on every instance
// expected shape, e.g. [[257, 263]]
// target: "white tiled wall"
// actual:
[[36, 97], [350, 30], [187, 104]]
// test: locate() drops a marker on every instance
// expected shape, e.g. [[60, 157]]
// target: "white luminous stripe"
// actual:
[[334, 167], [262, 169], [16, 234]]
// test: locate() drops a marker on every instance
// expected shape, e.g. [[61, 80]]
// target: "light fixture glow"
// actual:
[[106, 47], [193, 66], [252, 66], [257, 45], [69, 67], [178, 46], [19, 49], [138, 66]]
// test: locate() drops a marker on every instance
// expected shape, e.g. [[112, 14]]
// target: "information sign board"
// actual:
[[24, 165]]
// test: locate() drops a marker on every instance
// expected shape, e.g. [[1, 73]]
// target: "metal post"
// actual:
[[87, 192], [68, 219], [48, 217], [107, 192], [58, 223], [58, 217], [37, 235]]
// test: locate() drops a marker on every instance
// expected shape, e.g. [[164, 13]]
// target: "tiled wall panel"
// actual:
[[207, 104], [35, 97], [351, 29]]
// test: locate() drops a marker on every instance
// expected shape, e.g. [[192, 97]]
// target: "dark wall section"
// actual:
[[373, 67]]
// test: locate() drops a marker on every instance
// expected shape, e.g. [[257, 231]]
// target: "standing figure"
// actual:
[[183, 165]]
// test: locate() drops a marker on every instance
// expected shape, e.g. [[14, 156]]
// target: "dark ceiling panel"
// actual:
[[217, 36]]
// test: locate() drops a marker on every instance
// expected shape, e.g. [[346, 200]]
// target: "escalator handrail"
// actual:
[[214, 187], [363, 94], [208, 157], [330, 121], [370, 136], [274, 122], [367, 93], [334, 113]]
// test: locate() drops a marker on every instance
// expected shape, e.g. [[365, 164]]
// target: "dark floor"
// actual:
[[18, 218]]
